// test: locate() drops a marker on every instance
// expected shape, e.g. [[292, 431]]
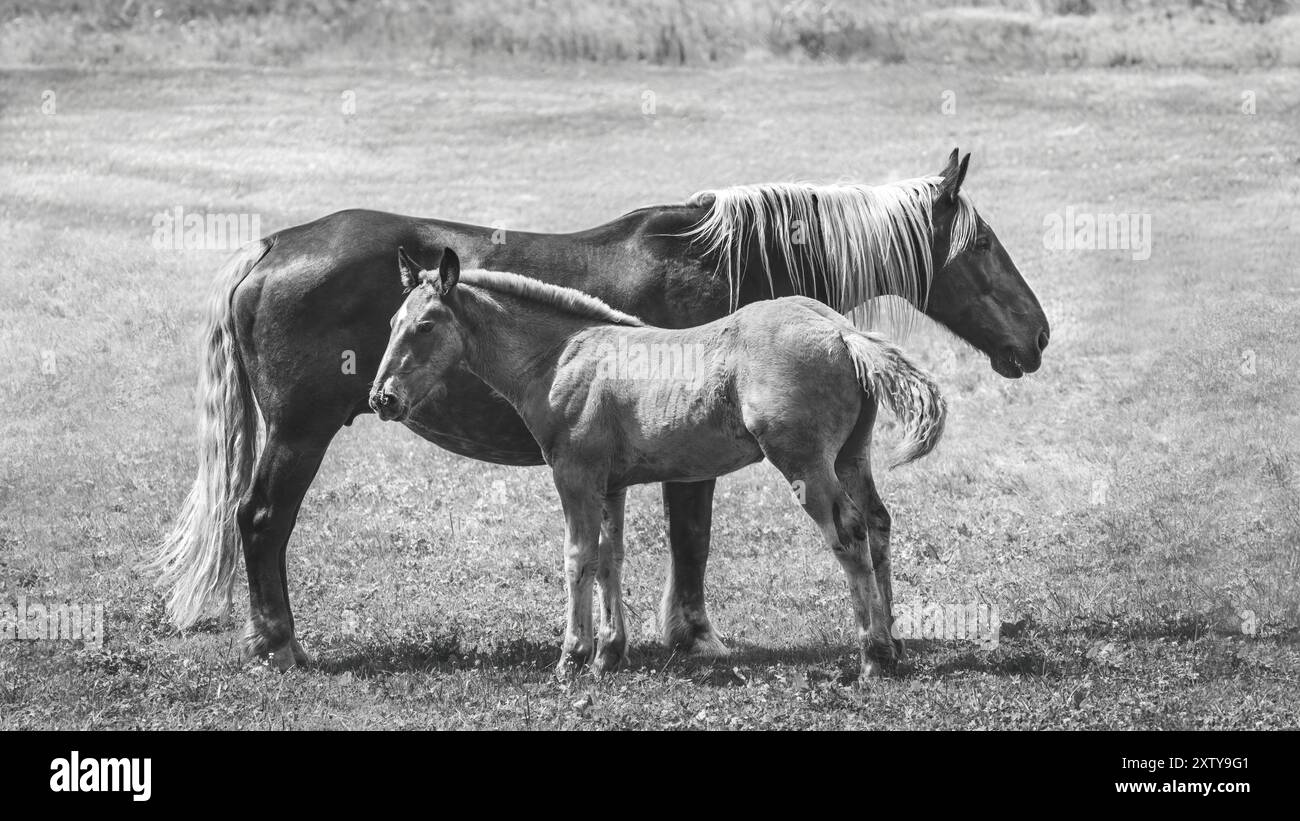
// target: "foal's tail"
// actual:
[[910, 392], [196, 562]]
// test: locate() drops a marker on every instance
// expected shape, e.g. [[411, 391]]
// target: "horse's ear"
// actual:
[[448, 270], [408, 268], [953, 176], [951, 167]]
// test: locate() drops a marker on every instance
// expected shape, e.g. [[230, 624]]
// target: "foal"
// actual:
[[613, 402]]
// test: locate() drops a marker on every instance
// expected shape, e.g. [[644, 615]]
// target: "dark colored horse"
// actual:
[[300, 320]]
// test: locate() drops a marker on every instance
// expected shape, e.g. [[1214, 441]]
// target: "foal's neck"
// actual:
[[512, 344]]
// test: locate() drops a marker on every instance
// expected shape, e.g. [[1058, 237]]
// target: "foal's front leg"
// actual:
[[582, 512], [612, 646]]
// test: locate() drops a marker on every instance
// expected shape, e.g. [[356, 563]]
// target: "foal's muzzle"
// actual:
[[386, 405]]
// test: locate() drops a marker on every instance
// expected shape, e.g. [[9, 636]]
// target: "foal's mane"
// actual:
[[567, 300], [856, 241]]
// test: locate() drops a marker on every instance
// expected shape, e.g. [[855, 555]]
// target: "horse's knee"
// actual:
[[254, 516]]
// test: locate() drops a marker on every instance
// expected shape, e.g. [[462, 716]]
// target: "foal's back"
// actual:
[[652, 404]]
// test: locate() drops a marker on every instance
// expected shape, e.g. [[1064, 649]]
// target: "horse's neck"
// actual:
[[766, 269], [844, 284], [512, 344]]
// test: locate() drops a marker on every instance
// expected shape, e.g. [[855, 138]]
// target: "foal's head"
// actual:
[[425, 343]]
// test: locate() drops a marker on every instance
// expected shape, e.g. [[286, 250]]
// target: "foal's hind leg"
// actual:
[[612, 639], [867, 566], [844, 527], [853, 466]]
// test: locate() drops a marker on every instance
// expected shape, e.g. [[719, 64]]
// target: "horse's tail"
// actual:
[[911, 393], [196, 561]]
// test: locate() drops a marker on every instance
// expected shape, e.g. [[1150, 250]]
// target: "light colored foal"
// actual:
[[613, 403]]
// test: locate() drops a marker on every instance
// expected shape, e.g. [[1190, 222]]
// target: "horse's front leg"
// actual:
[[612, 646], [582, 517], [683, 620]]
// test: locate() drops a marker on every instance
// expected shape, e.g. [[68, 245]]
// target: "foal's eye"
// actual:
[[982, 242], [424, 328]]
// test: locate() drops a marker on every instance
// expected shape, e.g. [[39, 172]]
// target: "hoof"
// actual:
[[708, 645], [879, 661], [694, 639], [257, 648], [610, 660], [283, 659], [573, 662], [286, 657]]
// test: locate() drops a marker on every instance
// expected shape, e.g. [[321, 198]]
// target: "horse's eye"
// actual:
[[424, 328], [982, 243]]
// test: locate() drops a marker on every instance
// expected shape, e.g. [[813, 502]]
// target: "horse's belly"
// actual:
[[471, 420]]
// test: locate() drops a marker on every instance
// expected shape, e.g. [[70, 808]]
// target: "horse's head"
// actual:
[[979, 294], [425, 343]]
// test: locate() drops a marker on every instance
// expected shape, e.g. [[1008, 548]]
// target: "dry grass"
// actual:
[[1219, 33], [430, 603]]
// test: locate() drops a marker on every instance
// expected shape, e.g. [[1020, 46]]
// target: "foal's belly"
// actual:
[[701, 461], [704, 444]]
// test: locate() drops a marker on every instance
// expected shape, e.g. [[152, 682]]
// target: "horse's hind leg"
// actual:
[[612, 638], [285, 469]]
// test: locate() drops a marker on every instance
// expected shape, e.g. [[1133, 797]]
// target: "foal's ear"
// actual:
[[953, 176], [448, 270], [409, 269]]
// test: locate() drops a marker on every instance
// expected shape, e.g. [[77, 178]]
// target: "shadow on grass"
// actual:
[[435, 653], [1027, 649], [448, 652], [811, 663]]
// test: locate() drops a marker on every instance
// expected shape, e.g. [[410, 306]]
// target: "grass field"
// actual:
[[1121, 507]]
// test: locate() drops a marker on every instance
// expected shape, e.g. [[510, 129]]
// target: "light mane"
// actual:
[[568, 300], [857, 242]]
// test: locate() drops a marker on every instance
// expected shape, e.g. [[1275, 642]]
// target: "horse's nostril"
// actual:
[[1043, 336]]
